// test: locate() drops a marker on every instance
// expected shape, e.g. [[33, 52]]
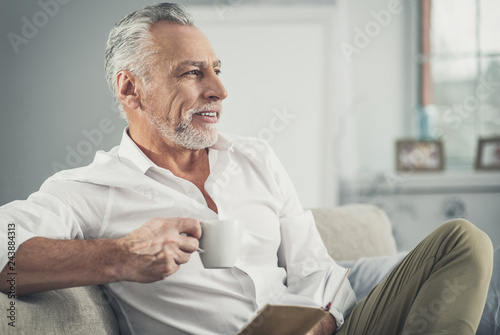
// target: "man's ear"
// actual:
[[127, 90]]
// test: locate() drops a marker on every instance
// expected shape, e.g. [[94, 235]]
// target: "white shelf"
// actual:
[[429, 182]]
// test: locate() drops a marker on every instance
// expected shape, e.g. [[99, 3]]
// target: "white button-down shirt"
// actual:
[[122, 189]]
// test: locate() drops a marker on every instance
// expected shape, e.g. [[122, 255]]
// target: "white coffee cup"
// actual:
[[220, 243]]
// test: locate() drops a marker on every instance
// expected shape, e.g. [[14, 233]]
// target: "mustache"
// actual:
[[208, 107]]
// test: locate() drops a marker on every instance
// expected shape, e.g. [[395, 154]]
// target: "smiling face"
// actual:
[[183, 99]]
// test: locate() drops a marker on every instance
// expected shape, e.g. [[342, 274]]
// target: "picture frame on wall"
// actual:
[[488, 154], [419, 155]]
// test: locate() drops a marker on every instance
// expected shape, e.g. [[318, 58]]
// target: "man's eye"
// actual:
[[217, 71], [194, 72]]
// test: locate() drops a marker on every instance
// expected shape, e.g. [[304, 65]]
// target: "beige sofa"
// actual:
[[349, 232]]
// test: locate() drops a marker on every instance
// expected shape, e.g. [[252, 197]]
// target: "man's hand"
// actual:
[[326, 327], [157, 249]]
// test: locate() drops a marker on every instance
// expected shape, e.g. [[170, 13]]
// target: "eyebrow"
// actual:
[[216, 63]]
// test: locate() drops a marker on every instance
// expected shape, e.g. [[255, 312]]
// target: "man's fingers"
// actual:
[[169, 261], [183, 257], [189, 244], [190, 227], [157, 249]]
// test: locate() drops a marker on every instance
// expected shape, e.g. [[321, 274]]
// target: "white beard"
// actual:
[[191, 138], [185, 134]]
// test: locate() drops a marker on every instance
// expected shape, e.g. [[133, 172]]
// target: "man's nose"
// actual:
[[215, 90]]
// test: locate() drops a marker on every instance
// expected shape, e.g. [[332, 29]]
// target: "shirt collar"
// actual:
[[131, 155]]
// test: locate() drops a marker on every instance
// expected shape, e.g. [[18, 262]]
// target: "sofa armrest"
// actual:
[[76, 311], [353, 231]]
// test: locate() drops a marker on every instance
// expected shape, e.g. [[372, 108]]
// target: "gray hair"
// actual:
[[130, 45]]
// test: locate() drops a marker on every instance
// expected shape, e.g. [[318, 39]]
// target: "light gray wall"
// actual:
[[383, 79], [53, 89]]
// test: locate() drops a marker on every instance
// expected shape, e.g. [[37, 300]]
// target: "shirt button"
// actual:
[[191, 190]]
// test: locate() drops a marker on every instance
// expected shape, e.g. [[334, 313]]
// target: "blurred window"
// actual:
[[459, 75]]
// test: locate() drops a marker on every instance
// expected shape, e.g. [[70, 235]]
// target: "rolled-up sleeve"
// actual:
[[42, 214]]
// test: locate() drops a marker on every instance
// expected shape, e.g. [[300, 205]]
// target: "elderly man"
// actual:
[[130, 219]]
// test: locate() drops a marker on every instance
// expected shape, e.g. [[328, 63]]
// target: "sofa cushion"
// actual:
[[354, 231], [367, 272], [76, 311]]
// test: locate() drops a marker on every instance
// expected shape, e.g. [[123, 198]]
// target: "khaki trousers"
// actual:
[[439, 288]]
